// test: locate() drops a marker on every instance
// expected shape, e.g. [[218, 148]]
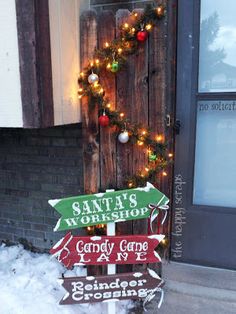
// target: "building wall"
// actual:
[[35, 166]]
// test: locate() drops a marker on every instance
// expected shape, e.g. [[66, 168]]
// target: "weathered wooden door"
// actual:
[[140, 91], [204, 215]]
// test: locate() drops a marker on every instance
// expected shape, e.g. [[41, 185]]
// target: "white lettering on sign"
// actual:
[[81, 291], [94, 206], [92, 247], [106, 248], [133, 246], [139, 256], [120, 255], [95, 218]]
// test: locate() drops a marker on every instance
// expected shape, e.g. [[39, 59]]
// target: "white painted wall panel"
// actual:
[[64, 34], [10, 88]]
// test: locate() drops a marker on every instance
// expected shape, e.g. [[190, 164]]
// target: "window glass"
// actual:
[[215, 154], [217, 55]]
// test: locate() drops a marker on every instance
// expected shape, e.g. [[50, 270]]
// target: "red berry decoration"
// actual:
[[104, 120], [142, 35]]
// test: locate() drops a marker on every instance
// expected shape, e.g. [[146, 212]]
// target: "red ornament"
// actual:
[[142, 35], [104, 120]]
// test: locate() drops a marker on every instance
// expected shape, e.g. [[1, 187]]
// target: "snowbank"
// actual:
[[29, 285]]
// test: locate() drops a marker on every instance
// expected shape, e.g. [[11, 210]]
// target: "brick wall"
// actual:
[[114, 5], [35, 166]]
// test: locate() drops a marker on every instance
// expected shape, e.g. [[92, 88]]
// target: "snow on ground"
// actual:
[[28, 285]]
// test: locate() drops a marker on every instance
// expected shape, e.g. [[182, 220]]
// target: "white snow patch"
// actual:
[[99, 194], [137, 274], [119, 220], [54, 202], [29, 285], [157, 256], [158, 237], [153, 274], [57, 225], [147, 188], [96, 238]]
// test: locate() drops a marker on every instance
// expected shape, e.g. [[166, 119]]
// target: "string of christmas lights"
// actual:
[[112, 57]]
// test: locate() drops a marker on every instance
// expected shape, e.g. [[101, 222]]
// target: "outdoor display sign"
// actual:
[[102, 208], [130, 249], [111, 287], [109, 208]]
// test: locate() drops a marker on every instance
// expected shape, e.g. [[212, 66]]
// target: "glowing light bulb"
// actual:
[[148, 27], [159, 10], [140, 143], [120, 50], [164, 173], [107, 44], [159, 138], [126, 25], [122, 114]]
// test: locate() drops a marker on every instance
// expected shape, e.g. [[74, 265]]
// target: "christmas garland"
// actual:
[[112, 57]]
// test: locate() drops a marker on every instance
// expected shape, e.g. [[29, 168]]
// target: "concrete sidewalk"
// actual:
[[193, 289]]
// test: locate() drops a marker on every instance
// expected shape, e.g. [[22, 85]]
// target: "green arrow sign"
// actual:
[[101, 208]]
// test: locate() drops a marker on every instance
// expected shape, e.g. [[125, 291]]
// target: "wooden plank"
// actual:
[[88, 26], [106, 33], [107, 288], [88, 42], [157, 97], [124, 151], [25, 12], [132, 249], [124, 104], [139, 95], [171, 94], [44, 66]]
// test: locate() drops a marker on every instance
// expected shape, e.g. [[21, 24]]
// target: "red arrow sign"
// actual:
[[133, 249], [112, 287]]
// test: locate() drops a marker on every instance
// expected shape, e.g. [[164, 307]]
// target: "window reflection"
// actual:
[[215, 162], [217, 55]]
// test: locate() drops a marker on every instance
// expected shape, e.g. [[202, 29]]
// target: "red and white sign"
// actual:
[[133, 249]]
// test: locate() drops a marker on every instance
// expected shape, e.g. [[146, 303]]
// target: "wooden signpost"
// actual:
[[101, 208], [109, 207], [110, 287], [96, 250]]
